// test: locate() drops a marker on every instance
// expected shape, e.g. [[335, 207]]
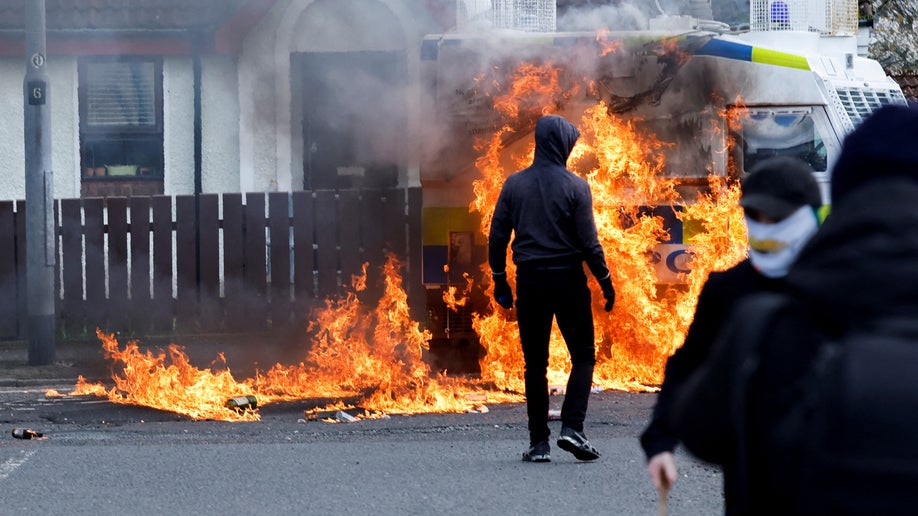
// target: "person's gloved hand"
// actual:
[[608, 291], [502, 293]]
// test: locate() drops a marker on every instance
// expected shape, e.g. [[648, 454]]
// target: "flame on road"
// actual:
[[374, 356]]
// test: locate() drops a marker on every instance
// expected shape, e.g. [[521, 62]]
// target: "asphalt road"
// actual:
[[100, 458]]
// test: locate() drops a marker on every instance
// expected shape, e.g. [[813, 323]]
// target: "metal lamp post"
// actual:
[[39, 192]]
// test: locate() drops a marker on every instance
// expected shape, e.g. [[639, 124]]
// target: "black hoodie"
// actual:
[[548, 208], [863, 262]]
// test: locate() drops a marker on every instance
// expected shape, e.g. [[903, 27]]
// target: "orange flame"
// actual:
[[669, 49], [538, 87], [454, 298], [372, 358], [376, 355], [608, 47], [625, 170], [168, 381]]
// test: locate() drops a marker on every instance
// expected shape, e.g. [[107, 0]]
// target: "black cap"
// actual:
[[779, 186], [886, 144]]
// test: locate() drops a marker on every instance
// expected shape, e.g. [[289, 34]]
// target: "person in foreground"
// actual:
[[548, 210], [779, 198], [811, 396]]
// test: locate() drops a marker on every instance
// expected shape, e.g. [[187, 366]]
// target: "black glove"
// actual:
[[502, 293], [608, 291]]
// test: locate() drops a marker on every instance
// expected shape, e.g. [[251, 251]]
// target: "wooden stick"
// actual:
[[663, 491]]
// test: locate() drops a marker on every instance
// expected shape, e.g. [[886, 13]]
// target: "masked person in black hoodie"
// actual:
[[810, 397], [548, 210], [779, 197]]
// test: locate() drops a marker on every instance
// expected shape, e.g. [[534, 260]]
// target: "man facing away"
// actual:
[[549, 212]]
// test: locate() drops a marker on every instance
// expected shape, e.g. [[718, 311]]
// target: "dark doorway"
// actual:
[[354, 119]]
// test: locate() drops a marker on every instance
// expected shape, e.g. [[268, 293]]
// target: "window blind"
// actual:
[[120, 94]]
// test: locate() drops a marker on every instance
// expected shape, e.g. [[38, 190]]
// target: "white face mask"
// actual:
[[774, 247]]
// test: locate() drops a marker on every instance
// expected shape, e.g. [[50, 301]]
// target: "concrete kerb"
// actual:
[[73, 359], [243, 352]]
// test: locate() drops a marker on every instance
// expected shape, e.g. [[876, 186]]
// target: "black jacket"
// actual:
[[547, 208], [860, 268], [720, 294], [863, 262]]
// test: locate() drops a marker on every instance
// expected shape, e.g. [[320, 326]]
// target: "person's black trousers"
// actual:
[[560, 293]]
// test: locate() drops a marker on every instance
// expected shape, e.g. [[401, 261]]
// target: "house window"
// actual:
[[121, 126]]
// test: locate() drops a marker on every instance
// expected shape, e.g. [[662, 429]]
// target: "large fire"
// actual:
[[623, 167], [374, 357]]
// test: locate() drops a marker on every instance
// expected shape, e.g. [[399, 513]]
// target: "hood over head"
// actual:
[[883, 145], [863, 261], [862, 264], [554, 139]]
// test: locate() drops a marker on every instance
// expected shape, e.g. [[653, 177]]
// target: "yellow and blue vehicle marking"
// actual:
[[742, 52], [714, 47]]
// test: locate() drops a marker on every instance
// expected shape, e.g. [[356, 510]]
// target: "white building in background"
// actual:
[[294, 94]]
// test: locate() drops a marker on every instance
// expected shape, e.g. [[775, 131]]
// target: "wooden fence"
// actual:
[[211, 263]]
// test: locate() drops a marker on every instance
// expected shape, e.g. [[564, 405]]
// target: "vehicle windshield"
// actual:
[[768, 132]]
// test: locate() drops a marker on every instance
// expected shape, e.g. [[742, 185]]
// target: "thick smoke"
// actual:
[[466, 77], [612, 17], [634, 81], [365, 105], [356, 107]]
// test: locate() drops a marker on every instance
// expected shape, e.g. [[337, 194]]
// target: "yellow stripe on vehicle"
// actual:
[[777, 58]]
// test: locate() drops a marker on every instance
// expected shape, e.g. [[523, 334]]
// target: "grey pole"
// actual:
[[39, 192]]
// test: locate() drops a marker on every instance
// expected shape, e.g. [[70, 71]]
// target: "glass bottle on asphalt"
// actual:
[[241, 403], [25, 433]]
